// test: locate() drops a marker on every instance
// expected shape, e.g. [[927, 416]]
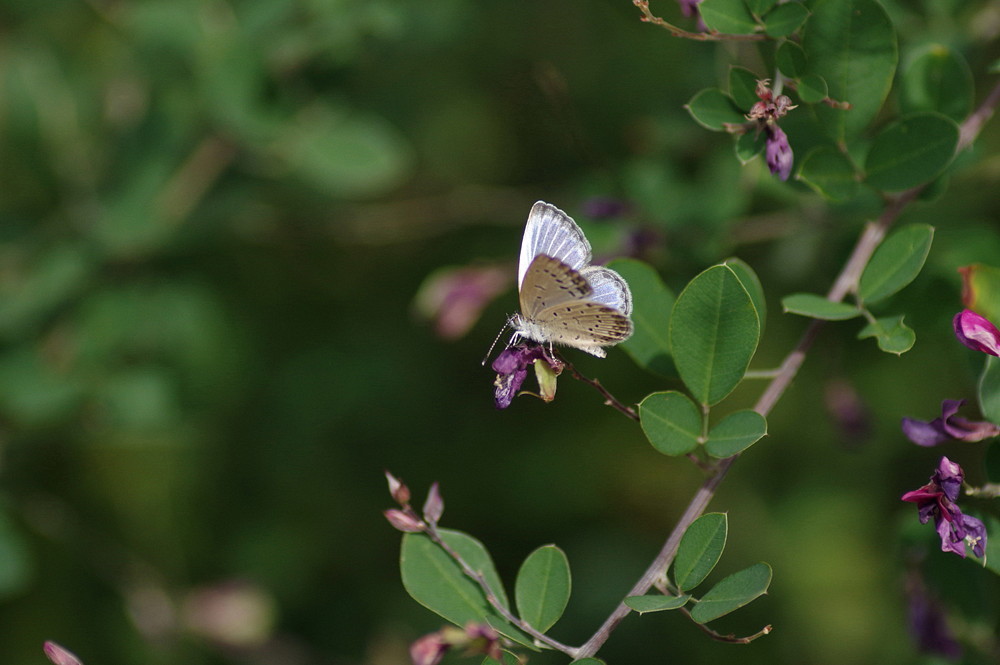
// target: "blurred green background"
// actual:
[[215, 219]]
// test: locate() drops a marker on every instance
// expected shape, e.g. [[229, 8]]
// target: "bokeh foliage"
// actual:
[[214, 218]]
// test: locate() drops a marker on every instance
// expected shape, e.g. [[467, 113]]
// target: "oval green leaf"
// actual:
[[851, 44], [743, 87], [543, 587], [989, 391], [712, 109], [830, 173], [748, 278], [656, 603], [892, 335], [785, 19], [649, 345], [733, 593], [671, 422], [938, 80], [896, 262], [760, 7], [735, 433], [791, 59], [748, 145], [812, 88], [818, 307], [433, 579], [714, 332], [911, 151], [730, 17], [700, 549]]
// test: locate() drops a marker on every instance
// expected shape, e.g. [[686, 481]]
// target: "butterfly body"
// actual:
[[565, 300]]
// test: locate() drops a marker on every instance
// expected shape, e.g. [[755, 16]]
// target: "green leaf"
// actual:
[[911, 151], [748, 145], [733, 593], [671, 422], [785, 19], [938, 80], [656, 603], [851, 44], [743, 87], [892, 335], [711, 108], [818, 307], [543, 587], [730, 17], [735, 433], [981, 291], [508, 659], [992, 559], [649, 345], [896, 262], [830, 173], [433, 579], [760, 7], [989, 391], [700, 549], [748, 278], [812, 88], [791, 59], [714, 332]]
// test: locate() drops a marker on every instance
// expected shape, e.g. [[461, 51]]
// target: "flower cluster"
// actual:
[[475, 638], [766, 113], [937, 499]]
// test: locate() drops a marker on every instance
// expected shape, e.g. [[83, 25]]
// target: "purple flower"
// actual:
[[512, 366], [474, 638], [977, 333], [937, 499], [455, 297], [928, 622], [60, 655], [778, 152], [689, 7], [948, 427]]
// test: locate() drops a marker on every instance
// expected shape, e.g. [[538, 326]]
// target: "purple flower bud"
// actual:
[[689, 8], [937, 499], [400, 492], [404, 521], [976, 332], [778, 152], [59, 655], [434, 505], [948, 427]]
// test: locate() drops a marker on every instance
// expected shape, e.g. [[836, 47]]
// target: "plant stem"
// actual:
[[845, 282]]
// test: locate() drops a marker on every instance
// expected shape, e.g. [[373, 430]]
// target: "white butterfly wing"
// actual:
[[609, 288], [552, 232]]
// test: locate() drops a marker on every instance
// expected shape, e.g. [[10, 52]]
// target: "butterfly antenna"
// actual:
[[497, 339]]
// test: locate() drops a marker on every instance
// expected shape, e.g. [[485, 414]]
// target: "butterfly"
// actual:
[[564, 299]]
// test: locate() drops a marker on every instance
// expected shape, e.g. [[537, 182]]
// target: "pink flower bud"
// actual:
[[434, 505], [59, 655], [404, 521], [977, 333], [400, 492]]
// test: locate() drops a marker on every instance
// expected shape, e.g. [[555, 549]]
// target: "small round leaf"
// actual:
[[733, 593], [543, 586], [911, 151], [671, 422], [700, 549], [818, 307], [735, 433]]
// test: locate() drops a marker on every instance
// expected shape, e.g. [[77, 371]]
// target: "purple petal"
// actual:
[[976, 332], [925, 434], [949, 478], [975, 534], [778, 153]]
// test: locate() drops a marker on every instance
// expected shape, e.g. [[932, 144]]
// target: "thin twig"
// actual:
[[609, 399], [844, 284], [711, 36]]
